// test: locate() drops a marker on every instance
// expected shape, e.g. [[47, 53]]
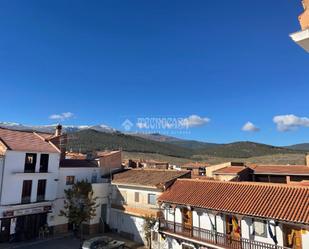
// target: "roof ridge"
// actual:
[[263, 184]]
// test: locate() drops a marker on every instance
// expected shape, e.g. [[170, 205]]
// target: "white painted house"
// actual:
[[134, 196], [71, 171], [28, 183], [236, 215]]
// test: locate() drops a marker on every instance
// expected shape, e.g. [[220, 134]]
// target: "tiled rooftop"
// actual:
[[232, 170], [274, 201], [25, 141], [148, 177], [281, 170]]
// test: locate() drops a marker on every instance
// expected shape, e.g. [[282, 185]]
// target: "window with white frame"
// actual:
[[152, 200]]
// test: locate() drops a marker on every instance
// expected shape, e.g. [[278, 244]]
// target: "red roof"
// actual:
[[148, 177], [274, 201], [25, 141], [281, 170], [231, 170]]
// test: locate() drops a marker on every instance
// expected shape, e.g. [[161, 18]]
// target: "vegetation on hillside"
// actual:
[[91, 140]]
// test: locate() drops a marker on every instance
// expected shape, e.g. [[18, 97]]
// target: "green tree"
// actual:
[[79, 204], [149, 223]]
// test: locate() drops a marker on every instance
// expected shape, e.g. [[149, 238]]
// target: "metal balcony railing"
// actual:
[[214, 237]]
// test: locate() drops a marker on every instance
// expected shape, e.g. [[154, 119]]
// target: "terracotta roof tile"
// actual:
[[234, 170], [274, 201], [148, 177], [25, 141], [282, 170]]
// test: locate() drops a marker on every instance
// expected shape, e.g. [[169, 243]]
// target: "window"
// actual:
[[259, 228], [70, 180], [30, 162], [41, 190], [123, 197], [26, 192], [44, 162], [152, 199], [136, 197]]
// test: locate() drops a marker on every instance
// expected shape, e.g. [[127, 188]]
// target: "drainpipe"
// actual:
[[216, 230], [2, 176]]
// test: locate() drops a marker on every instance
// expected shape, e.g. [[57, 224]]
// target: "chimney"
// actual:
[[307, 159], [58, 130]]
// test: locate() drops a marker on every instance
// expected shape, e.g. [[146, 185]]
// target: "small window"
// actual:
[[70, 180], [26, 191], [136, 197], [41, 190], [260, 228], [123, 197], [44, 163], [152, 199], [30, 162]]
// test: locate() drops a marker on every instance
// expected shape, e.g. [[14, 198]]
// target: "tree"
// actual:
[[149, 223], [79, 204]]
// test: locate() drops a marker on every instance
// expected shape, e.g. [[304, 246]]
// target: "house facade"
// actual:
[[28, 183], [71, 171], [134, 196], [213, 214]]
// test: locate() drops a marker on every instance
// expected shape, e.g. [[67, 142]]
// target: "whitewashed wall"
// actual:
[[14, 176], [101, 190]]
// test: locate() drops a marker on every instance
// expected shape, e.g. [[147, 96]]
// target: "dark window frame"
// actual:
[[30, 166], [26, 191], [136, 196], [44, 161], [149, 198], [69, 180], [41, 190]]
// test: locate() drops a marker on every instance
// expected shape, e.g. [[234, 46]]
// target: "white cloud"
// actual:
[[194, 121], [290, 122], [63, 116], [249, 127]]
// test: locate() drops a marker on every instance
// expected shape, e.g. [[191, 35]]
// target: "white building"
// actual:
[[134, 196], [214, 214], [28, 183], [70, 171]]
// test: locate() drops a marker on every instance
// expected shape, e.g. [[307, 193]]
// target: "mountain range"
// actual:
[[100, 137]]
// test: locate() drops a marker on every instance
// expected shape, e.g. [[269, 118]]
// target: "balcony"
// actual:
[[222, 240]]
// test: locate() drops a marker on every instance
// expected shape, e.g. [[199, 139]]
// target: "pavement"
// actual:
[[66, 241]]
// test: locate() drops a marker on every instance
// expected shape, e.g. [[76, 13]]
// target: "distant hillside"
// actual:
[[100, 137], [194, 145], [156, 137], [243, 150], [90, 140], [302, 147]]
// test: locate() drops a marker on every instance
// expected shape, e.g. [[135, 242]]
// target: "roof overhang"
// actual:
[[301, 38]]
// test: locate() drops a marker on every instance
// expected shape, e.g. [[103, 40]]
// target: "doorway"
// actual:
[[292, 237], [5, 230], [187, 221]]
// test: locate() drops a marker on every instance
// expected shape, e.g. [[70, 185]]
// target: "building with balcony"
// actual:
[[237, 215], [28, 182], [134, 196]]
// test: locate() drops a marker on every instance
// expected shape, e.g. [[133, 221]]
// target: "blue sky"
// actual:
[[108, 61]]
